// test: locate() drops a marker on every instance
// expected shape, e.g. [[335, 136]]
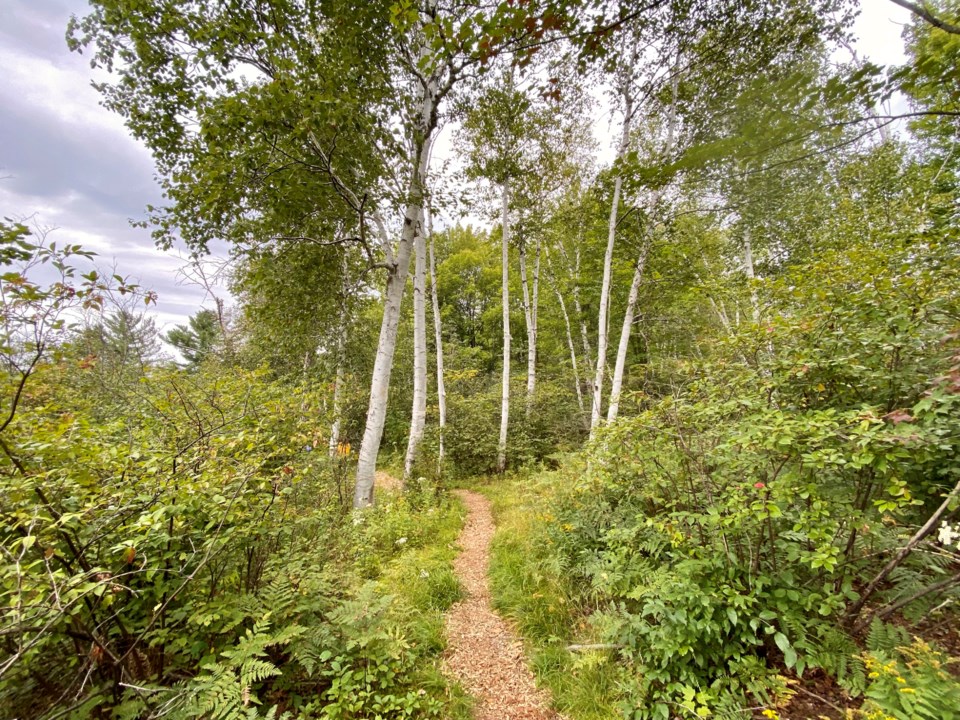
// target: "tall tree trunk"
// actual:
[[603, 321], [535, 313], [505, 299], [616, 384], [530, 303], [418, 415], [751, 275], [337, 409], [581, 316], [392, 299], [438, 334], [573, 270], [570, 345], [341, 364]]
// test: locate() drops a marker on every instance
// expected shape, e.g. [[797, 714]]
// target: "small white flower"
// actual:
[[948, 534], [402, 541]]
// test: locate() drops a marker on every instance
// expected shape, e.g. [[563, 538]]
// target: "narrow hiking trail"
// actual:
[[484, 653]]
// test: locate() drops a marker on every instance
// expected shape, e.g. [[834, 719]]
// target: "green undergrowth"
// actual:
[[423, 586], [563, 573], [359, 638], [529, 588]]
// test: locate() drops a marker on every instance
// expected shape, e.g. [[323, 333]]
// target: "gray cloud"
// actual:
[[38, 27], [48, 157], [70, 164]]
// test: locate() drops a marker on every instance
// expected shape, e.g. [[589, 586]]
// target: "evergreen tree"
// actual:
[[197, 340]]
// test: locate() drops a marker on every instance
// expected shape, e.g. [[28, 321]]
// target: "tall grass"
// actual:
[[529, 589]]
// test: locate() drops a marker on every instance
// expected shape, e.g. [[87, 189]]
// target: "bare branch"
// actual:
[[922, 12]]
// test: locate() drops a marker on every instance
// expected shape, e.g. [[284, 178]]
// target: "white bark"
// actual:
[[535, 312], [570, 345], [341, 365], [530, 306], [616, 384], [337, 409], [437, 330], [573, 270], [505, 299], [751, 276], [578, 308], [382, 366], [392, 298], [418, 415], [603, 321]]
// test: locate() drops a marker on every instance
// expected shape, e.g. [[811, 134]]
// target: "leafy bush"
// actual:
[[729, 533], [911, 682], [193, 557]]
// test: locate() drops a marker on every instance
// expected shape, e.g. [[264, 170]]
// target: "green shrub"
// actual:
[[911, 682]]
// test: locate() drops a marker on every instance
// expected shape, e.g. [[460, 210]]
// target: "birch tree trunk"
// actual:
[[418, 413], [341, 365], [392, 298], [530, 303], [505, 299], [751, 276], [603, 321], [616, 384], [573, 270], [438, 334], [535, 314], [578, 308], [570, 345]]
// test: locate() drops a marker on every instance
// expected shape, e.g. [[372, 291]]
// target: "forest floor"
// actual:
[[484, 653]]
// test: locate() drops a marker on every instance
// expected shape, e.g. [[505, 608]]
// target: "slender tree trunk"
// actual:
[[418, 416], [751, 275], [530, 303], [584, 333], [337, 408], [392, 298], [573, 270], [438, 334], [616, 384], [535, 314], [603, 321], [570, 345], [341, 368], [505, 299]]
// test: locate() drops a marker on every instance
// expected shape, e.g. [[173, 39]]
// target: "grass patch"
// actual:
[[423, 586], [528, 588]]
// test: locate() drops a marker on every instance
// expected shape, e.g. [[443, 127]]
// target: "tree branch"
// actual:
[[922, 12]]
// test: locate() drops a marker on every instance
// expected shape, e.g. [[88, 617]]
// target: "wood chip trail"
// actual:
[[483, 651]]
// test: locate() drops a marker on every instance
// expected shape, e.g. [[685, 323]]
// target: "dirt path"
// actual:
[[386, 482], [483, 652]]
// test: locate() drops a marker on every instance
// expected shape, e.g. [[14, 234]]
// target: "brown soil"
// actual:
[[484, 653], [818, 696], [384, 481]]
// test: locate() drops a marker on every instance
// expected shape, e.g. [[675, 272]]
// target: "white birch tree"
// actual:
[[616, 384], [531, 300], [438, 339], [603, 316], [505, 300], [418, 416]]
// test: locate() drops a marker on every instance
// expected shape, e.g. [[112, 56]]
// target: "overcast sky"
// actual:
[[70, 164]]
